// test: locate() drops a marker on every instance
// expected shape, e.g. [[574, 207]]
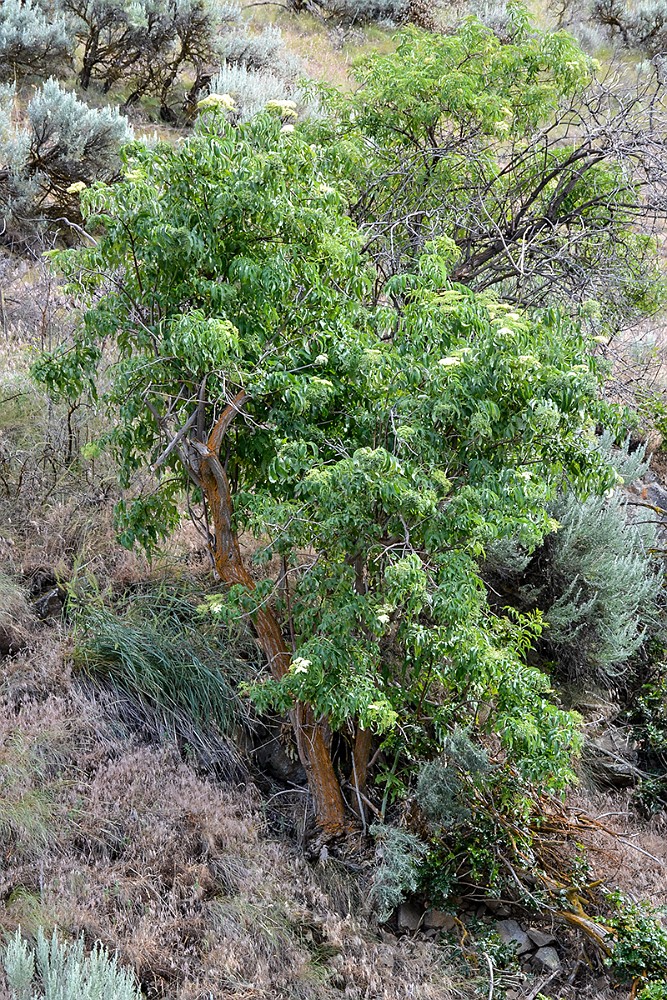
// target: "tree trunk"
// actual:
[[361, 753], [314, 750]]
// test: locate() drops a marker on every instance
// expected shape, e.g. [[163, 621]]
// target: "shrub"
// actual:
[[258, 52], [640, 947], [147, 47], [363, 11], [47, 157], [593, 578], [638, 26], [599, 587], [55, 970], [32, 43], [251, 89], [657, 990], [398, 873]]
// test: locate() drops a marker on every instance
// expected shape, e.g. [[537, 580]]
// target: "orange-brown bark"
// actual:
[[313, 747], [363, 742]]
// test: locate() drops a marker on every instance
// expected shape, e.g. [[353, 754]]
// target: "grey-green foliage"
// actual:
[[598, 586], [399, 855], [56, 970], [263, 52], [363, 11], [58, 143], [594, 578], [442, 784], [630, 465], [149, 47], [32, 41], [251, 89]]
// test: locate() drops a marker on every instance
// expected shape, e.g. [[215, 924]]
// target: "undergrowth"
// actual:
[[154, 647]]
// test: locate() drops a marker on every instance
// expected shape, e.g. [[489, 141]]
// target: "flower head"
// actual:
[[77, 188], [300, 665], [286, 109], [213, 101]]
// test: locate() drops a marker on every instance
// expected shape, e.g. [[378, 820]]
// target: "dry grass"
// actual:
[[326, 50], [124, 842]]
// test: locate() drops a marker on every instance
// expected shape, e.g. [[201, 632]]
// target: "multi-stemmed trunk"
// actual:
[[312, 737]]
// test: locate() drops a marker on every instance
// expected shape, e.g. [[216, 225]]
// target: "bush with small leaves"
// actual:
[[398, 873], [365, 11], [48, 156], [32, 42], [263, 52], [593, 578], [639, 953], [148, 47], [251, 90], [55, 970], [657, 990]]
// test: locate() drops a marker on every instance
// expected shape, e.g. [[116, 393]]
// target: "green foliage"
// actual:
[[55, 970], [647, 714], [485, 141], [480, 813], [398, 872], [640, 946], [158, 650], [657, 990], [392, 442]]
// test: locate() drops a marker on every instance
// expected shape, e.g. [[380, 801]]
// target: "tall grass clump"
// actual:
[[157, 649], [55, 970]]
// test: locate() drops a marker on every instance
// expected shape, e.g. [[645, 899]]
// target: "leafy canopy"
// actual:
[[380, 449], [512, 151]]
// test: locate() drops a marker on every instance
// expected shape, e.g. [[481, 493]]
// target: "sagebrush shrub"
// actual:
[[251, 89], [56, 970], [398, 872], [363, 11], [48, 155], [265, 51], [593, 578], [635, 26], [32, 42]]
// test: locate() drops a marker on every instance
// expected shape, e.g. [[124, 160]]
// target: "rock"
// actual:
[[657, 495], [440, 920], [50, 605], [548, 957], [409, 917], [539, 938], [511, 933], [611, 759], [497, 908]]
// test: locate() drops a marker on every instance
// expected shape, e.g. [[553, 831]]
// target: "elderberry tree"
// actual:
[[248, 371]]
